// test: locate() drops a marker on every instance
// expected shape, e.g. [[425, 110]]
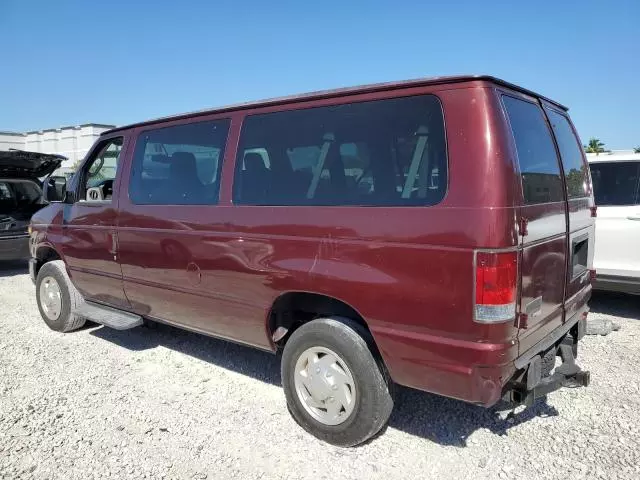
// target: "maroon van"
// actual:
[[435, 233]]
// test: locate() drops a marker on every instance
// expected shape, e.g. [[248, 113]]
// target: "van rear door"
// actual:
[[542, 220], [581, 224]]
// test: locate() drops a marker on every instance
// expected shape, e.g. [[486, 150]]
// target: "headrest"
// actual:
[[253, 161], [183, 158], [183, 165]]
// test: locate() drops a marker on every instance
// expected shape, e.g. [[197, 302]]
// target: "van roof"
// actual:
[[341, 92]]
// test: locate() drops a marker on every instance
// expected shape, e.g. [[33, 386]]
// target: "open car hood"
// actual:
[[21, 164]]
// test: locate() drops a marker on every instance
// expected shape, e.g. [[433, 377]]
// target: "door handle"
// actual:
[[113, 248], [634, 217]]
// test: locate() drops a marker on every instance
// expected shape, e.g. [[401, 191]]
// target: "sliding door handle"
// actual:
[[113, 241]]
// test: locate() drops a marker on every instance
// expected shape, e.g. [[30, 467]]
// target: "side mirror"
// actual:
[[55, 190]]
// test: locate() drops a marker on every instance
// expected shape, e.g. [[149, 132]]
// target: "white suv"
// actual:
[[616, 184]]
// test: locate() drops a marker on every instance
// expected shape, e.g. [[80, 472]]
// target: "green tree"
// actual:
[[594, 146], [636, 150]]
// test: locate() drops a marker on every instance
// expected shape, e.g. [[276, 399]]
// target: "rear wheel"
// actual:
[[335, 388], [57, 298]]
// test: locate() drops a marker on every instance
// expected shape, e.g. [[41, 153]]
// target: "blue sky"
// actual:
[[71, 62]]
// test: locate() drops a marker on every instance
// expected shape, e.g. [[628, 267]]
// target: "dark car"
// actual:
[[20, 197], [435, 233]]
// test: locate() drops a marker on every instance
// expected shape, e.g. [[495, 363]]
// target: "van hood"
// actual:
[[21, 164]]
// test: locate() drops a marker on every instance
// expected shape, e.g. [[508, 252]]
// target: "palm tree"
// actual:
[[594, 146], [636, 150]]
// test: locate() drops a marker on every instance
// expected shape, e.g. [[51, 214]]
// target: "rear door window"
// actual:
[[575, 169], [616, 183], [539, 166]]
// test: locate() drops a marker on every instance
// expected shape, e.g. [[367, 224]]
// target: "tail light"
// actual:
[[496, 286]]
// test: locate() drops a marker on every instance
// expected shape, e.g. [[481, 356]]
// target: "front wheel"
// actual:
[[335, 388], [57, 298]]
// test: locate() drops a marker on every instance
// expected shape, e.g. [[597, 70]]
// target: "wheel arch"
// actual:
[[44, 253], [292, 309]]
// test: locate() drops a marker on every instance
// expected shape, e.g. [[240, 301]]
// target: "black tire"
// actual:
[[374, 401], [70, 298]]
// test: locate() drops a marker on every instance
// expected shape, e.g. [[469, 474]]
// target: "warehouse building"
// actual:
[[73, 142]]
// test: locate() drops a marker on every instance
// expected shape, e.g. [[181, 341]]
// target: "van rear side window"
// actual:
[[378, 153], [539, 166], [575, 169]]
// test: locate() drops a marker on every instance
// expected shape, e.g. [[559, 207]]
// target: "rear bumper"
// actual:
[[536, 374], [15, 247], [490, 372], [613, 283], [578, 321], [573, 377], [532, 382]]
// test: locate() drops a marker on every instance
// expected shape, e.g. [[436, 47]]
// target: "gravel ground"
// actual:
[[163, 403]]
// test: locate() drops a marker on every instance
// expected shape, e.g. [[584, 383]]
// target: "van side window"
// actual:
[[539, 167], [377, 153], [100, 171], [179, 165], [616, 183], [575, 168]]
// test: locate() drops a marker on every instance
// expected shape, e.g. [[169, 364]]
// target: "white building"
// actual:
[[611, 153], [72, 142]]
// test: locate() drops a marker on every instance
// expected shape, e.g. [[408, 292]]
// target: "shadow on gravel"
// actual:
[[11, 268], [616, 304], [263, 366], [441, 420], [450, 422]]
